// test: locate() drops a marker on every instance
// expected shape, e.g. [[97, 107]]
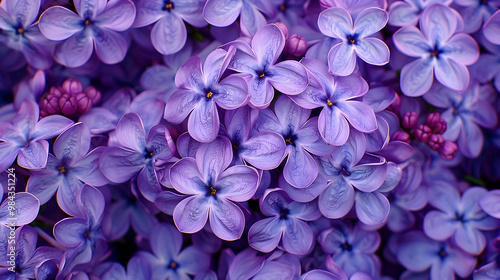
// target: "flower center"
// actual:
[[173, 265], [62, 170], [209, 94], [168, 6], [352, 39], [212, 191], [328, 102], [282, 8], [346, 246], [345, 173], [20, 30], [284, 214]]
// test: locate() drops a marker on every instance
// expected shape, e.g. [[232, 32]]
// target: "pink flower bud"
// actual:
[[93, 94], [448, 150], [84, 103], [395, 105], [52, 105], [296, 46], [401, 136], [72, 86], [283, 28], [422, 133], [435, 142], [68, 104], [436, 123], [54, 91], [410, 120]]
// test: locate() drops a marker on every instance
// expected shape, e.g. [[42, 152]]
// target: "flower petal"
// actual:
[[169, 34], [147, 181], [93, 204], [439, 226], [34, 156], [44, 187], [304, 194], [372, 208], [58, 23], [213, 158], [489, 203], [298, 237], [359, 115], [25, 209], [461, 48], [264, 150], [90, 8], [492, 28], [268, 43], [452, 74], [238, 183], [67, 196], [335, 22], [289, 77], [203, 123], [180, 104], [470, 240], [119, 15], [186, 178], [264, 235], [438, 23], [191, 214], [73, 144], [222, 12], [349, 154], [373, 51], [337, 200], [416, 77], [369, 21], [50, 127], [226, 220], [232, 93], [166, 248], [368, 177], [69, 232], [119, 165], [110, 46], [342, 59], [130, 132], [160, 143], [75, 51], [410, 41], [300, 169], [332, 126], [470, 139], [148, 12]]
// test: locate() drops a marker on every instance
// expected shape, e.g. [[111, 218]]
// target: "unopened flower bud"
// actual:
[[93, 94], [435, 142], [422, 133], [72, 86], [395, 105], [54, 91], [401, 136], [68, 104], [51, 106], [84, 103], [296, 46], [436, 123], [283, 28], [448, 150], [410, 120]]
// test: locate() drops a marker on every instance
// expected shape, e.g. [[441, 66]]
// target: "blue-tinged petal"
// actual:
[[491, 29], [25, 209], [147, 181], [59, 23], [142, 221], [297, 237], [268, 43], [379, 98], [444, 197], [213, 158], [469, 239], [90, 8], [342, 59], [438, 23], [393, 177], [186, 178], [169, 34], [349, 154], [25, 11], [273, 201], [365, 241], [260, 89], [116, 220], [319, 274], [222, 12], [484, 114], [417, 77], [44, 187], [309, 138], [190, 75], [304, 211], [8, 153], [244, 60], [215, 64], [300, 169], [368, 177], [69, 232], [490, 203], [289, 77], [335, 22], [191, 12], [265, 234], [399, 219], [166, 248], [377, 140], [189, 261], [347, 87], [337, 200], [231, 93], [203, 123], [369, 21], [50, 127], [180, 104], [372, 208], [166, 202], [304, 194], [451, 74], [373, 51], [88, 169], [461, 48], [130, 132], [226, 219], [34, 156], [187, 146], [359, 115], [251, 20], [67, 196], [148, 12], [238, 123], [99, 120], [245, 265], [92, 204], [440, 226], [160, 143], [191, 214], [119, 165], [238, 183], [332, 126], [110, 46], [75, 51], [470, 139], [275, 270], [73, 144], [291, 116], [26, 244], [119, 15], [264, 150], [402, 13]]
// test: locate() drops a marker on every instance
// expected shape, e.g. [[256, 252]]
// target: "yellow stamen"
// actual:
[[169, 6], [20, 30], [209, 94], [61, 169], [172, 264], [352, 41], [289, 141], [261, 75], [87, 22], [212, 190], [328, 102]]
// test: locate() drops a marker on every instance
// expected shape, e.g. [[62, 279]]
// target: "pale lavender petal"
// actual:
[[261, 91], [44, 187], [417, 251], [311, 140], [410, 41], [93, 204], [90, 8], [290, 114], [470, 240], [67, 196], [232, 92], [265, 234], [332, 126], [268, 43], [337, 200], [213, 158], [402, 13], [148, 12], [119, 15], [264, 150], [130, 132], [59, 23], [75, 51], [452, 74], [99, 120], [304, 194], [298, 237], [110, 46], [116, 220], [417, 77], [186, 178], [251, 19], [166, 248], [222, 12], [69, 232], [187, 146], [147, 181], [119, 165], [484, 114], [335, 22], [180, 104], [8, 153], [24, 11], [34, 156], [50, 127], [438, 23], [372, 208], [318, 274], [226, 219], [166, 202], [490, 203], [470, 139], [351, 152], [369, 21], [359, 115], [191, 214], [289, 77], [368, 177], [378, 139], [189, 258], [300, 169], [73, 144], [440, 226], [238, 183], [461, 48], [169, 34], [342, 59], [275, 270], [373, 51], [273, 201], [160, 143], [203, 123], [25, 209], [393, 177], [491, 28], [349, 87], [444, 197]]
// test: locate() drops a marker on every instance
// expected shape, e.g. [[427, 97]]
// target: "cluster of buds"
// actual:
[[429, 133], [295, 45], [69, 100]]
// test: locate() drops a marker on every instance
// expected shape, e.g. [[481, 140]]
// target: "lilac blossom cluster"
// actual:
[[250, 139]]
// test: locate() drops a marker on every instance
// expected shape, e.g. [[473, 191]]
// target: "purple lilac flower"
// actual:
[[249, 265], [200, 93], [288, 223], [492, 28], [337, 97], [458, 217], [134, 153], [301, 137], [264, 150], [355, 36], [351, 248], [212, 188], [169, 33], [24, 137], [68, 169], [168, 261], [408, 12], [475, 13], [260, 70], [97, 23], [440, 51], [418, 253], [20, 33]]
